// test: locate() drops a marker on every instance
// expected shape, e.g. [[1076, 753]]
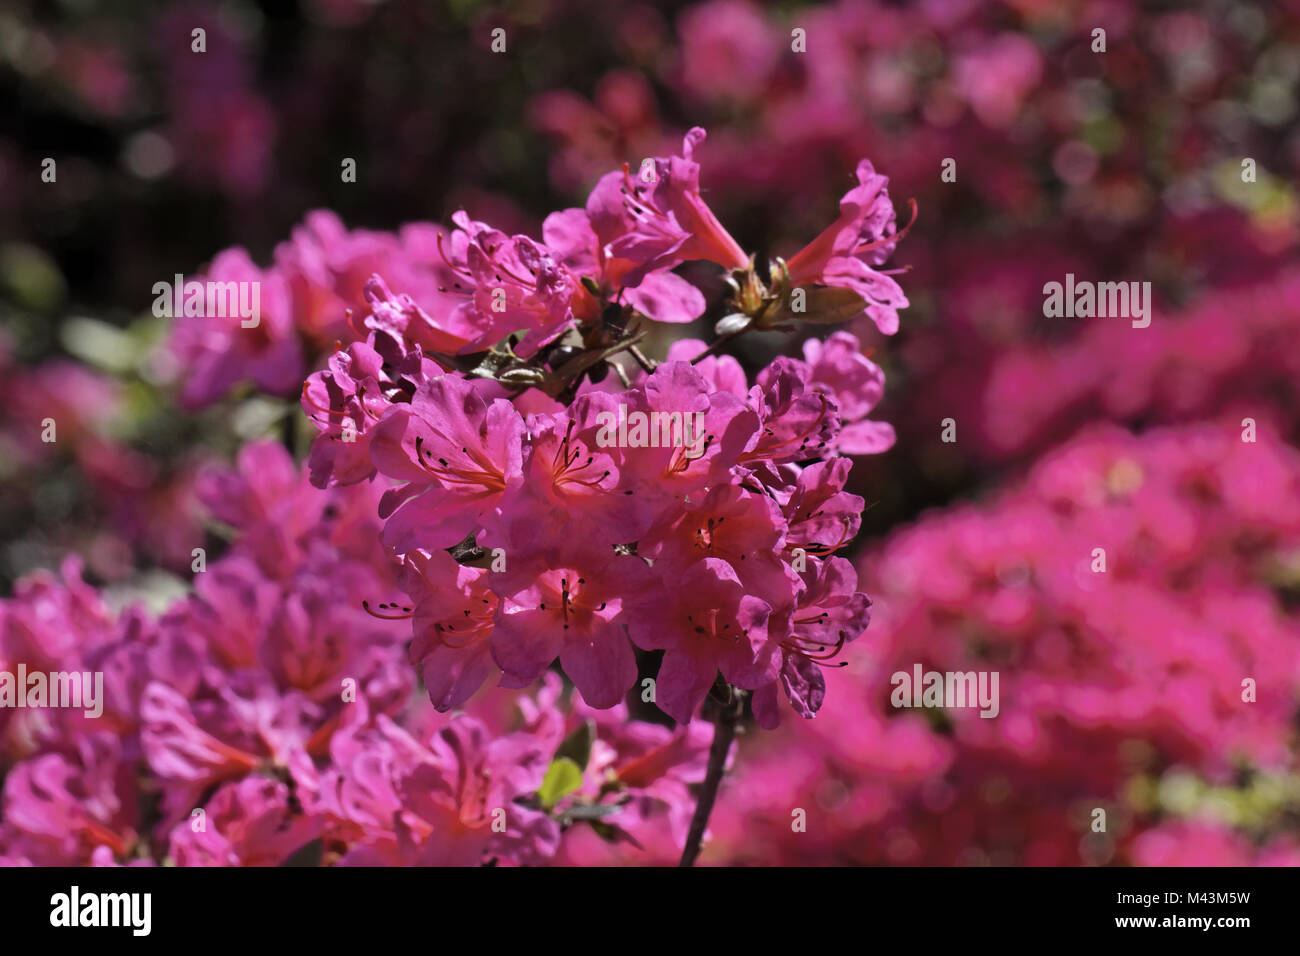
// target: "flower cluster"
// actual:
[[544, 511], [266, 717], [1232, 349], [1155, 680], [60, 439], [482, 449], [318, 278]]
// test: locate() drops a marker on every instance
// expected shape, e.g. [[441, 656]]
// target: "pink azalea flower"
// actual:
[[60, 807], [224, 736], [473, 781], [722, 372], [830, 613], [347, 400], [657, 224], [411, 330], [248, 823], [454, 617], [857, 384], [821, 517], [215, 353], [53, 619], [513, 283], [458, 456], [320, 636], [326, 268], [268, 497], [391, 800], [660, 295], [744, 529], [567, 602], [845, 254], [570, 481], [671, 471], [704, 625], [798, 421]]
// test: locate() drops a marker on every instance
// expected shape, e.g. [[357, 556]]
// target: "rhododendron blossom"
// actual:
[[656, 516], [505, 494]]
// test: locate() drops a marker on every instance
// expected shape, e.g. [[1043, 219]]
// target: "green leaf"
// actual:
[[563, 777], [31, 276], [100, 344]]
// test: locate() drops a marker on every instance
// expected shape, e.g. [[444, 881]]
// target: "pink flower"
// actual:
[[347, 400], [61, 807], [722, 372], [266, 496], [566, 601], [830, 612], [706, 624], [224, 735], [845, 254], [657, 219], [51, 619], [326, 268], [320, 638], [215, 353], [857, 384], [513, 283], [413, 330], [660, 295], [393, 801], [249, 823], [454, 617], [458, 456], [474, 781], [798, 422], [657, 476], [821, 517], [571, 484], [229, 610], [731, 524]]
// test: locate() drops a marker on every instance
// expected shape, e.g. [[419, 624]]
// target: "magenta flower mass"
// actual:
[[584, 502], [422, 444], [534, 501]]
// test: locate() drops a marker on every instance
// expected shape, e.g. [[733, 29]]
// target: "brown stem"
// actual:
[[646, 364], [725, 721], [717, 344]]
